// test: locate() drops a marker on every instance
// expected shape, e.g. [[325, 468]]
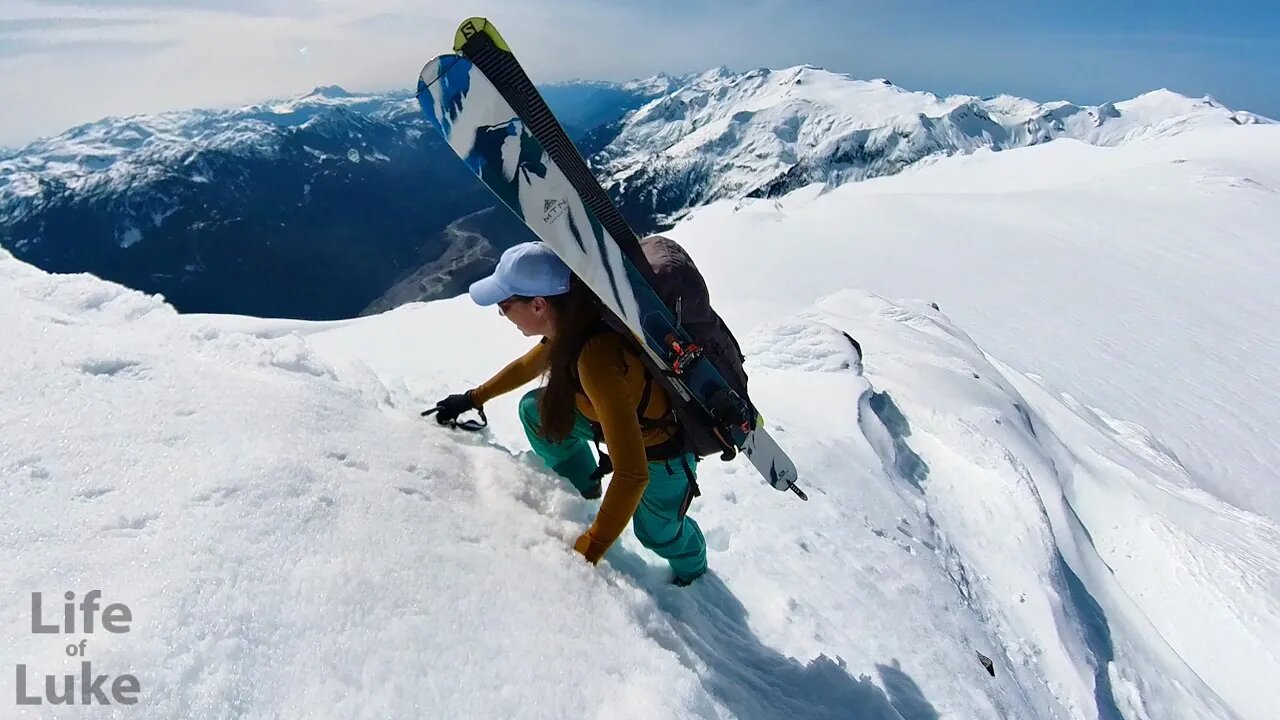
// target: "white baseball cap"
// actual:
[[529, 269]]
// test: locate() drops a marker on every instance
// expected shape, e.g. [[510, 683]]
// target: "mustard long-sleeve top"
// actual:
[[613, 381]]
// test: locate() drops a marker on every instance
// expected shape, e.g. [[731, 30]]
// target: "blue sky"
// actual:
[[64, 62]]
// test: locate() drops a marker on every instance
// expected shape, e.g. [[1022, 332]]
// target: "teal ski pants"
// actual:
[[657, 522]]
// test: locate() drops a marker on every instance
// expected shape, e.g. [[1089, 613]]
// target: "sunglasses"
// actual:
[[505, 305]]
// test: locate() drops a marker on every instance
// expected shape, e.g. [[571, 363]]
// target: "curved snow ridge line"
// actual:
[[1080, 648], [1075, 614], [1213, 595]]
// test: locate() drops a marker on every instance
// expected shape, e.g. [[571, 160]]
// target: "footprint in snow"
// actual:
[[718, 538], [135, 523], [26, 469], [347, 460], [112, 367], [217, 496], [92, 493], [413, 492]]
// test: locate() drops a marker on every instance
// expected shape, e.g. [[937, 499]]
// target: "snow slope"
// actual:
[[1139, 278], [294, 541]]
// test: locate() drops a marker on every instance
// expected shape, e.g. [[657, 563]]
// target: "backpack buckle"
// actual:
[[683, 355]]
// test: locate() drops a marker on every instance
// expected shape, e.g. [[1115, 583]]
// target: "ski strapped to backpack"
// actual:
[[680, 285]]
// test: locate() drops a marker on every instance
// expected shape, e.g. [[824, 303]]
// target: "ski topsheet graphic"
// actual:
[[551, 189]]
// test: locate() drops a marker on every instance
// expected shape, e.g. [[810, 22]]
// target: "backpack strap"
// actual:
[[674, 447]]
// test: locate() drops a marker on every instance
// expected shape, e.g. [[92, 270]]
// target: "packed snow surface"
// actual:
[[293, 540]]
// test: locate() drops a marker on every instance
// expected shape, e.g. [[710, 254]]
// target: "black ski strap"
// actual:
[[691, 490], [604, 468]]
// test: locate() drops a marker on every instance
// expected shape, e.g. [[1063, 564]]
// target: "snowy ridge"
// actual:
[[293, 539], [217, 210], [694, 139], [119, 154], [116, 155], [763, 133], [1137, 279], [1154, 250], [659, 84]]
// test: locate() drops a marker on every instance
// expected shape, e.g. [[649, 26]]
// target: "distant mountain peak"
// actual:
[[332, 91]]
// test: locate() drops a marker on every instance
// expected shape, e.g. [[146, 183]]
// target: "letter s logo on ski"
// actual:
[[553, 209]]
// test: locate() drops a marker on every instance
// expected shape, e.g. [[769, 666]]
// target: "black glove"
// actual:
[[448, 409]]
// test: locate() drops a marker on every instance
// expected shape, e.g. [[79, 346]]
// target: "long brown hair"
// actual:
[[578, 317]]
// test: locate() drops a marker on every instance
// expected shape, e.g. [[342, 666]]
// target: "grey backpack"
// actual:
[[681, 286]]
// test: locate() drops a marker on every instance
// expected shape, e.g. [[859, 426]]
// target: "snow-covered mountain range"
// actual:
[[316, 206], [764, 133], [310, 207]]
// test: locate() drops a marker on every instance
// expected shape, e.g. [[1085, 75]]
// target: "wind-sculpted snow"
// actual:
[[1133, 284], [292, 539]]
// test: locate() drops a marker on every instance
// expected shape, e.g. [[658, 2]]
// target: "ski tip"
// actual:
[[474, 26], [430, 74]]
